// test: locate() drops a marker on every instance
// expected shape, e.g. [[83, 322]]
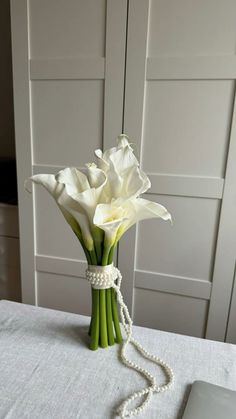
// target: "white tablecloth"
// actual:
[[48, 372]]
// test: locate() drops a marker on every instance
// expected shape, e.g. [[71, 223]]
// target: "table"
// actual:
[[47, 371]]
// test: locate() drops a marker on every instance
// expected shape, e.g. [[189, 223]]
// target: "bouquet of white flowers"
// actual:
[[100, 204]]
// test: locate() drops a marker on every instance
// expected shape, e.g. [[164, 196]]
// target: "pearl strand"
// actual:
[[102, 277]]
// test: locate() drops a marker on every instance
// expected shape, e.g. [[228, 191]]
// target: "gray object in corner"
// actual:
[[208, 401]]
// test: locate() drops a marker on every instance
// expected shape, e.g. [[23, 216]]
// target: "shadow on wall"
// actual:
[[7, 141], [8, 180]]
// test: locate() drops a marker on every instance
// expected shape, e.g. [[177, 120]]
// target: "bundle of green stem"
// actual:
[[104, 327]]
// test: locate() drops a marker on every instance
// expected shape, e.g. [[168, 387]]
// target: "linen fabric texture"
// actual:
[[48, 372]]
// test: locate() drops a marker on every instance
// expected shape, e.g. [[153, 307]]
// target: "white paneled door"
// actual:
[[179, 107], [164, 72], [69, 62]]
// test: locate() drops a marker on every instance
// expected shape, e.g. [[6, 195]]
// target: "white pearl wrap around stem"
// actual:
[[102, 277]]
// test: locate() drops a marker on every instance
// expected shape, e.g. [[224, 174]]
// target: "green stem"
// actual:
[[111, 339], [98, 236], [98, 249], [111, 253], [103, 318], [87, 255], [95, 320], [105, 255], [93, 257], [115, 316], [91, 320], [104, 304]]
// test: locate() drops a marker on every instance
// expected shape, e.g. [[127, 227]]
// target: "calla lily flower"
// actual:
[[77, 196], [124, 177], [50, 184], [117, 217], [109, 217], [84, 189]]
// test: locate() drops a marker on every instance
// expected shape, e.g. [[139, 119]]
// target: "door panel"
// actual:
[[61, 292], [69, 61], [179, 108], [170, 312], [67, 121], [205, 27], [199, 110], [60, 28], [186, 248]]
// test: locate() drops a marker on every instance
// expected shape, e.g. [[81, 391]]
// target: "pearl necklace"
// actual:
[[102, 277]]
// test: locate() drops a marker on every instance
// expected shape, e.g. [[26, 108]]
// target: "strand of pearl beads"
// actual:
[[102, 277]]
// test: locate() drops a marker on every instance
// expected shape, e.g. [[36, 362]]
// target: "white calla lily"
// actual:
[[69, 205], [136, 183], [49, 182], [124, 177], [142, 209], [123, 159], [82, 188], [74, 178], [85, 191], [117, 217], [109, 217], [73, 214]]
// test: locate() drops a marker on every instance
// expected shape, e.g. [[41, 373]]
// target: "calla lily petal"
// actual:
[[141, 209], [123, 141], [148, 209], [84, 224], [76, 211], [82, 193], [96, 177], [86, 200], [106, 213], [49, 182], [123, 159], [136, 184], [103, 158], [117, 217], [57, 190], [109, 217], [124, 177], [85, 190], [73, 177]]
